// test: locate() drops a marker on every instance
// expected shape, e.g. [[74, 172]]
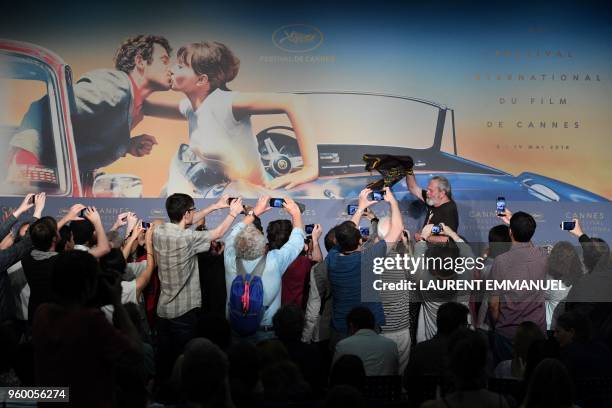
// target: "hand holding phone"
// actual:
[[351, 209], [501, 206], [436, 229], [145, 225], [276, 202], [568, 225], [308, 228], [377, 195]]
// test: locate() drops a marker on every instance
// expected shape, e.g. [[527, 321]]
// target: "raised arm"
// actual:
[[397, 223], [292, 248], [72, 215], [103, 246], [221, 229], [317, 256], [143, 280], [120, 221], [413, 187], [222, 202], [25, 205], [364, 203], [245, 104], [126, 249]]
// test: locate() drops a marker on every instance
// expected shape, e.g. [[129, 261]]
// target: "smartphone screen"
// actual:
[[501, 206], [229, 200], [365, 231], [568, 225], [276, 202], [146, 225], [377, 196], [351, 209], [436, 229], [308, 228], [82, 213]]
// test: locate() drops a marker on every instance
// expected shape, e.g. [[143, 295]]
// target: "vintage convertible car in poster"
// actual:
[[347, 124]]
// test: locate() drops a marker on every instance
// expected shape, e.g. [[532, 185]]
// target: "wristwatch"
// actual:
[[251, 212]]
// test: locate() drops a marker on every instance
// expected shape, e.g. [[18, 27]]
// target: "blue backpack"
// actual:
[[246, 308]]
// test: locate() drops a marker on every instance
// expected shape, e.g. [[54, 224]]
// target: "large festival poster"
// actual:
[[503, 101]]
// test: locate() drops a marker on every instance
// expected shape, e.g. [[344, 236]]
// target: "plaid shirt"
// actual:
[[176, 252]]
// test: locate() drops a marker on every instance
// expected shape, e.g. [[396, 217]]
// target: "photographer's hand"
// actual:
[[120, 221], [26, 204], [577, 231]]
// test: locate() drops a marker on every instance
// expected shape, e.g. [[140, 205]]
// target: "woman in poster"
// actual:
[[222, 146]]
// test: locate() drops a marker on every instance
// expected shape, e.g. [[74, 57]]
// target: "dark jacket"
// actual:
[[9, 257]]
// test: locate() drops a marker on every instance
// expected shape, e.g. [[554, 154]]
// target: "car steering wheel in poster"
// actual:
[[279, 150]]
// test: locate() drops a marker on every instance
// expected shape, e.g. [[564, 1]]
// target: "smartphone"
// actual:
[[501, 206], [229, 200], [31, 200], [351, 209], [277, 202], [365, 231], [377, 195], [436, 229], [568, 225], [146, 225], [308, 228], [82, 213]]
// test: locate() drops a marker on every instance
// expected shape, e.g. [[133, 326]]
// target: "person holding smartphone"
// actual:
[[17, 251], [439, 201], [344, 265], [247, 245]]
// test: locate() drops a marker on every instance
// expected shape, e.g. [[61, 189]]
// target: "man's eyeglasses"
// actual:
[[192, 209]]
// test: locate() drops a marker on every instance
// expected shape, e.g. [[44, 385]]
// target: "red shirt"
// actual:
[[77, 348], [295, 282]]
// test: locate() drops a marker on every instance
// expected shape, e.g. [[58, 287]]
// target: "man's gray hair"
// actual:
[[114, 238], [382, 229], [444, 185], [250, 243]]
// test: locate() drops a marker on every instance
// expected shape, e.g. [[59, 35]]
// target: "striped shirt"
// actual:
[[396, 302], [176, 252]]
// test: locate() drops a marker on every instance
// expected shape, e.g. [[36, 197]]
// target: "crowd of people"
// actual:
[[185, 314]]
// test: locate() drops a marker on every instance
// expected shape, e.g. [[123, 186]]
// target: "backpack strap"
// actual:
[[257, 271], [240, 268], [259, 268]]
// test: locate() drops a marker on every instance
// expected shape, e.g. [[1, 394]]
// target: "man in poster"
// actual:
[[109, 103]]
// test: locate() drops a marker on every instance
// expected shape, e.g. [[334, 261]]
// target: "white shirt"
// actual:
[[135, 269], [378, 353], [128, 294], [552, 298], [215, 133]]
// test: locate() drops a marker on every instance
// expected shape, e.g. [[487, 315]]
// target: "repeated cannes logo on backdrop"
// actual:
[[297, 38]]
